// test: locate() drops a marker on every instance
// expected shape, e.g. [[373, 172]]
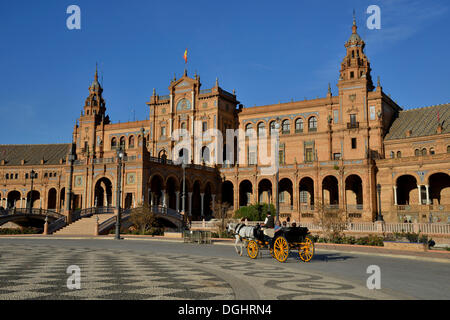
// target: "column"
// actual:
[[163, 195], [177, 197], [152, 199], [202, 195], [427, 187], [190, 203], [213, 196], [420, 193], [395, 195]]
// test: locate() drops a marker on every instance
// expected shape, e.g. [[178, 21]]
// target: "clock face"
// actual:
[[184, 104]]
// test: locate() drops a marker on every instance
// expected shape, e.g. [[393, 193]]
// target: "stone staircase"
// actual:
[[84, 226]]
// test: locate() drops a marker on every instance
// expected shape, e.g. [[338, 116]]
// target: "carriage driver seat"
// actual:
[[270, 232], [269, 226]]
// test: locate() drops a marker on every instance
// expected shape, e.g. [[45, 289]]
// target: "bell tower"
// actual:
[[355, 68], [94, 106], [89, 133]]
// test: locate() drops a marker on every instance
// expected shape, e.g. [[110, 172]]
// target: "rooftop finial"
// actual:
[[96, 72], [154, 92], [217, 82], [378, 82], [354, 27], [185, 72]]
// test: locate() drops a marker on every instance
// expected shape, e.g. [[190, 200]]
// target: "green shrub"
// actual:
[[255, 212]]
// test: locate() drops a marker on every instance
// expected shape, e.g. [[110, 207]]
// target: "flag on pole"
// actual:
[[185, 56]]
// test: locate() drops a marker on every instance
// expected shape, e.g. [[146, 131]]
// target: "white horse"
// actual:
[[240, 230]]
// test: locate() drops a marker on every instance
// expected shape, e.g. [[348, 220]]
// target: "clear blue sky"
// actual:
[[268, 51]]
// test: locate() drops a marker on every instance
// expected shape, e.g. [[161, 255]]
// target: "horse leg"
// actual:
[[236, 245]]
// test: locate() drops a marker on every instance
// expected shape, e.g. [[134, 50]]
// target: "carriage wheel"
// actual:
[[306, 250], [252, 249], [281, 249]]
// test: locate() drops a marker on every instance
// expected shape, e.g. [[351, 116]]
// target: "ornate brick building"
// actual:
[[333, 150]]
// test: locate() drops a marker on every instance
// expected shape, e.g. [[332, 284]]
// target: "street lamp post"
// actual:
[[277, 164], [31, 192], [379, 216], [119, 182], [69, 187], [183, 194]]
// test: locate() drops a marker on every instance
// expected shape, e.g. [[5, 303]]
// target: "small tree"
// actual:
[[255, 212], [143, 219], [221, 213], [332, 222]]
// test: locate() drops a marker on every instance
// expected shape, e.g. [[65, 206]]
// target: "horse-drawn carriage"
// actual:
[[254, 239]]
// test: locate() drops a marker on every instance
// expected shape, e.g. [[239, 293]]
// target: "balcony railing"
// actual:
[[354, 207], [306, 207], [352, 125]]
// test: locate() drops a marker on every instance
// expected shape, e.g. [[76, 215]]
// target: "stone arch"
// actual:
[[265, 191], [13, 197], [51, 199], [330, 190], [407, 189], [103, 192], [354, 190], [156, 183], [306, 191], [196, 199], [62, 199], [207, 199], [439, 188], [286, 192], [172, 187], [245, 193], [33, 199], [228, 192], [205, 155]]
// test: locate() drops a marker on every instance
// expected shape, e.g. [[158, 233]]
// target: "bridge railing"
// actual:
[[58, 224], [34, 211], [109, 223]]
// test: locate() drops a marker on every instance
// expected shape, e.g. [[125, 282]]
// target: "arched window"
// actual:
[[272, 127], [432, 151], [122, 142], [299, 125], [448, 149], [392, 154], [248, 127], [7, 176], [417, 152], [424, 151], [113, 143], [312, 124], [183, 125], [131, 142], [286, 127], [261, 129], [399, 154], [17, 176]]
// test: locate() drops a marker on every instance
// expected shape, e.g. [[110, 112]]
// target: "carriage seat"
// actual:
[[269, 232]]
